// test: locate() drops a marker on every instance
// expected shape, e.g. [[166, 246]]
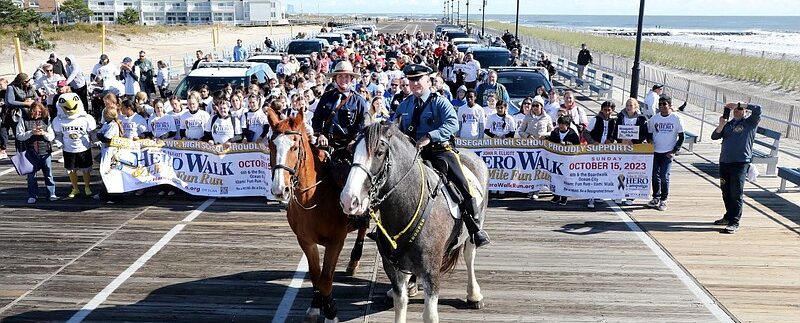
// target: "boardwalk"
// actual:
[[192, 259]]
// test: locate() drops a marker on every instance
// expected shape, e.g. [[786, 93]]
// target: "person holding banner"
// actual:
[[223, 129], [666, 129], [564, 135], [630, 129], [134, 125], [524, 111], [193, 122], [538, 124], [35, 134], [500, 124], [111, 127], [737, 137], [176, 113], [600, 130], [160, 126]]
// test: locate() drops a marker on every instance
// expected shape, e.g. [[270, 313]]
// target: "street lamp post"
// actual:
[[516, 23], [458, 13], [452, 11], [468, 16], [635, 70], [483, 19]]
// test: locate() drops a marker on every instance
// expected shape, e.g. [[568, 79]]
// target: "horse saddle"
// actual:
[[452, 194]]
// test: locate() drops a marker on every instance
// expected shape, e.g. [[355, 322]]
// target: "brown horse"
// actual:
[[302, 180]]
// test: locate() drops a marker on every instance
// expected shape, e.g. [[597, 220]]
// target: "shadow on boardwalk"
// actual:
[[243, 297]]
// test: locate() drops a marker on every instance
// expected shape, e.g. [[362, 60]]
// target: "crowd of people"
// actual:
[[340, 90]]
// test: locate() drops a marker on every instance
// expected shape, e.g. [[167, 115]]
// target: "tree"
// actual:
[[11, 15], [76, 10], [128, 17]]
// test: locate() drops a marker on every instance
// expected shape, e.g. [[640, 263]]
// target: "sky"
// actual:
[[560, 7]]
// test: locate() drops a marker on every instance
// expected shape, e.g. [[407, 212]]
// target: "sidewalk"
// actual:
[[753, 273]]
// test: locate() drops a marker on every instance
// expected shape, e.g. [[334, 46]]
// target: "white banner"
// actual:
[[607, 171], [628, 132], [196, 167]]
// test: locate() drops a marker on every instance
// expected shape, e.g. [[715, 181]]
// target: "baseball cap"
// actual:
[[657, 86], [103, 57], [127, 60]]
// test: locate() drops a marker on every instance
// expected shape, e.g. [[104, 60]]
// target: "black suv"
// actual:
[[521, 82]]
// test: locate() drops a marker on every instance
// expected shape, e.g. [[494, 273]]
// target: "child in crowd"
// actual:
[[176, 112], [160, 125], [500, 124], [194, 121], [471, 118], [223, 129], [111, 127], [564, 135], [134, 126]]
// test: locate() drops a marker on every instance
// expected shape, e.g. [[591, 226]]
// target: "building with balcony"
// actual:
[[192, 12]]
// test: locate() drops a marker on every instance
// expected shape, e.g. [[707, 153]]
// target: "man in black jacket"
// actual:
[[584, 59]]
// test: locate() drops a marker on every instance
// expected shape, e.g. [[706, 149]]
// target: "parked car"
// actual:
[[459, 41], [451, 34], [218, 74], [306, 46], [270, 59], [332, 37], [439, 28], [521, 82]]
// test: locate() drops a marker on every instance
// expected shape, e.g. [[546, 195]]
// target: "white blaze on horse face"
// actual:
[[354, 199], [283, 145]]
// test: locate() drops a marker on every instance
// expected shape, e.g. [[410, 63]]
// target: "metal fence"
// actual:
[[701, 97]]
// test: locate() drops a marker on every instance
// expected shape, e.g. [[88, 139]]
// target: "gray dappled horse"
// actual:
[[389, 181]]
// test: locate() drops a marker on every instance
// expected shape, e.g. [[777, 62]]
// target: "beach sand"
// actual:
[[171, 47]]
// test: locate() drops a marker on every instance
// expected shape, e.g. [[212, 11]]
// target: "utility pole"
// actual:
[[452, 11], [458, 13], [483, 19], [468, 29], [516, 23], [635, 70]]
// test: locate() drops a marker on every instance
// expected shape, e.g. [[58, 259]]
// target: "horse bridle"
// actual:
[[377, 181], [300, 155]]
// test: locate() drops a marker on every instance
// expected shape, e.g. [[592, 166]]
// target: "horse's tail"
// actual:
[[451, 260]]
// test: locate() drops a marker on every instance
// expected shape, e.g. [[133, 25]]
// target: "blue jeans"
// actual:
[[661, 169], [731, 178], [33, 185]]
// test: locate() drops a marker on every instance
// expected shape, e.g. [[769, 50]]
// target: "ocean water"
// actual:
[[776, 36]]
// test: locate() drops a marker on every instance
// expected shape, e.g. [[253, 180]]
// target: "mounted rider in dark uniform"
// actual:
[[432, 121], [340, 117]]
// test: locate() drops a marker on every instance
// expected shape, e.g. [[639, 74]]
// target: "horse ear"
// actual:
[[272, 118], [298, 120]]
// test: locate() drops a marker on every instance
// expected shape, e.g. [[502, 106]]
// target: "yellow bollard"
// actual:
[[103, 39], [214, 37], [19, 54]]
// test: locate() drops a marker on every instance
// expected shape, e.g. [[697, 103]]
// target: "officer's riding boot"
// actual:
[[478, 236]]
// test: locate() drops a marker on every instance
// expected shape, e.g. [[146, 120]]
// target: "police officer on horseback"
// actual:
[[432, 121], [340, 116]]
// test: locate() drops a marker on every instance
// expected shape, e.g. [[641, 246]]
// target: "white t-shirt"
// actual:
[[501, 126], [518, 118], [195, 124], [665, 131], [108, 71], [471, 70], [593, 123], [650, 104], [176, 117], [108, 130], [223, 129], [162, 125], [471, 122], [133, 126], [74, 133], [254, 121]]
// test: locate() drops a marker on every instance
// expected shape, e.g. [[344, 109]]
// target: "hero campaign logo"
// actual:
[[664, 127], [633, 182]]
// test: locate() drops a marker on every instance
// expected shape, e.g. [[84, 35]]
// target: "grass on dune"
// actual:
[[784, 73]]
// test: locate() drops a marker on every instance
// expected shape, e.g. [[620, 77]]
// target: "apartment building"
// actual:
[[160, 12]]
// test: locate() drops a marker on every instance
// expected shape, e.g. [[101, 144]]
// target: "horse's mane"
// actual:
[[372, 134]]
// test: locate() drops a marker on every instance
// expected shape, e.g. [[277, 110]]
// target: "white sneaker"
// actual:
[[533, 195], [53, 198], [591, 204], [662, 206], [31, 200], [3, 154], [60, 160], [654, 202]]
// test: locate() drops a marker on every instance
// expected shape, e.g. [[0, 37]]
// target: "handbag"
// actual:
[[26, 162]]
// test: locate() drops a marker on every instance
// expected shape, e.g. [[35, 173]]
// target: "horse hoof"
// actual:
[[475, 305], [352, 269]]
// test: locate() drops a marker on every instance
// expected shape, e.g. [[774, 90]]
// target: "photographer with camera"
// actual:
[[737, 137]]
